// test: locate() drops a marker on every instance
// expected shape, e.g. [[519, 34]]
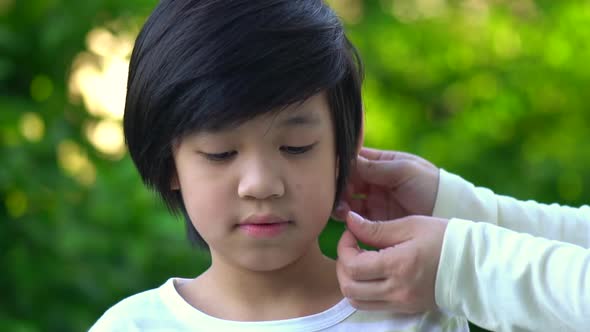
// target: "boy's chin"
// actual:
[[268, 263], [273, 261]]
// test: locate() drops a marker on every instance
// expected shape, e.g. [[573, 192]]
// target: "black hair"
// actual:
[[213, 64]]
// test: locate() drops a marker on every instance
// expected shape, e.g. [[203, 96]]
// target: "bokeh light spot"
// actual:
[[32, 127], [74, 162], [107, 137], [100, 77]]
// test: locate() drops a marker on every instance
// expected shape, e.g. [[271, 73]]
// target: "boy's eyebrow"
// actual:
[[297, 120]]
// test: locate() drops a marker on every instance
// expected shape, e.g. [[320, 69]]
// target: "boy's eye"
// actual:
[[223, 156], [297, 149]]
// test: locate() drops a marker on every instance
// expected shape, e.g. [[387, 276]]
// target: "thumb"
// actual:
[[378, 234]]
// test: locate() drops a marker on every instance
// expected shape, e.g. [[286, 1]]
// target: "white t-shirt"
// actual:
[[163, 309]]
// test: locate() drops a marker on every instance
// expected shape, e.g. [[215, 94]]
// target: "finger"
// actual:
[[380, 204], [348, 247], [386, 155], [366, 265], [379, 234], [378, 172], [377, 290], [355, 182], [375, 154], [357, 205]]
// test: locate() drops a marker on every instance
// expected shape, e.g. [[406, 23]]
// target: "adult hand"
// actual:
[[399, 277], [390, 185]]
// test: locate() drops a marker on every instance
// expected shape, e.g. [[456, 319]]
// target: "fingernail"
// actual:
[[356, 218]]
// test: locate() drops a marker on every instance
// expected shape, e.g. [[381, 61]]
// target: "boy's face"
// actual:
[[261, 193]]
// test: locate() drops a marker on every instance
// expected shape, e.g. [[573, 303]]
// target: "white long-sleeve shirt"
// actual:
[[510, 265]]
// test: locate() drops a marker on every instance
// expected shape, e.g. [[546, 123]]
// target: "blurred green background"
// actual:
[[491, 90]]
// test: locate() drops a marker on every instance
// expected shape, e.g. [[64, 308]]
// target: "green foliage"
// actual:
[[494, 92]]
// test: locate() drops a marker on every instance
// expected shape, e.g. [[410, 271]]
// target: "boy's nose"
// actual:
[[261, 180]]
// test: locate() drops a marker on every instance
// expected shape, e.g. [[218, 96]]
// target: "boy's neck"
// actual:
[[307, 286]]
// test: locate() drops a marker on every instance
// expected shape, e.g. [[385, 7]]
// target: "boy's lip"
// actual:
[[260, 219], [263, 226]]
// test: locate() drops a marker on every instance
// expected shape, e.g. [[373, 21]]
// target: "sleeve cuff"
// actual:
[[458, 198], [451, 252], [450, 187]]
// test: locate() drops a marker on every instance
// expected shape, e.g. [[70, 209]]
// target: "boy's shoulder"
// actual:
[[147, 308]]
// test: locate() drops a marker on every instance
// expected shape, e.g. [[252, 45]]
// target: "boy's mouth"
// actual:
[[263, 226]]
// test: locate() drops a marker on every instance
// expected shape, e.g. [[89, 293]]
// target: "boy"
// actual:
[[245, 116]]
